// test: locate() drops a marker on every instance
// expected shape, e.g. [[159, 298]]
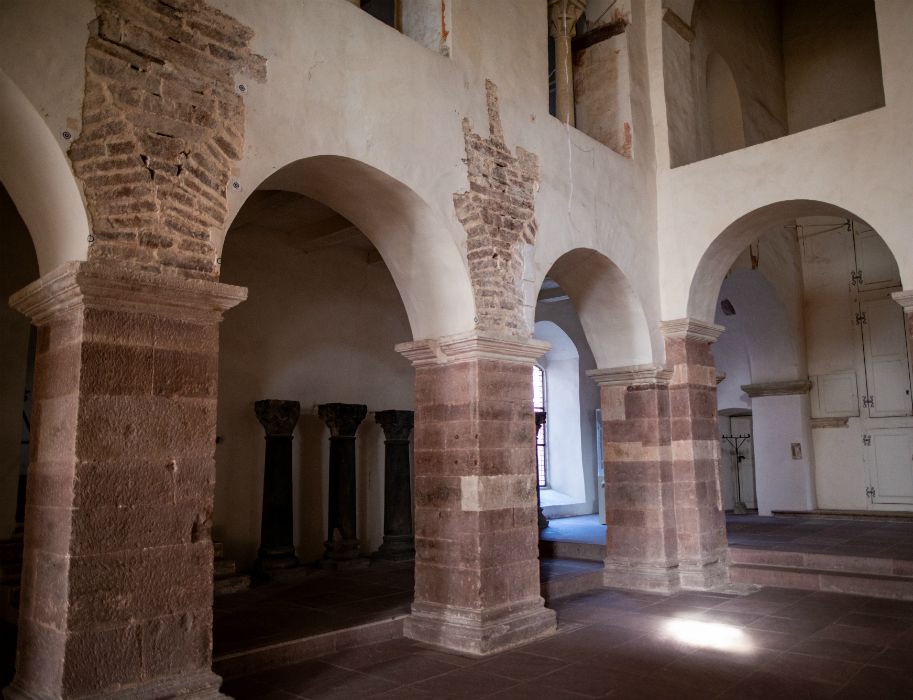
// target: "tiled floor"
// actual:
[[773, 644]]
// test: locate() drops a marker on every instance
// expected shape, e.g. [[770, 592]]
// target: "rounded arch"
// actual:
[[38, 178], [724, 107], [726, 247], [610, 311], [423, 259]]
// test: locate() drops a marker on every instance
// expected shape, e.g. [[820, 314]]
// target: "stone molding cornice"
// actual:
[[473, 345], [691, 329], [787, 388], [905, 299], [79, 284], [631, 375]]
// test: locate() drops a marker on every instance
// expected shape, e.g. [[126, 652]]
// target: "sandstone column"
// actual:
[[703, 552], [562, 26], [343, 420], [641, 547], [277, 548], [399, 542], [476, 537], [118, 560]]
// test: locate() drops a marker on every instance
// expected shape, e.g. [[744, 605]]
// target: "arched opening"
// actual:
[[341, 263], [18, 267], [816, 352], [724, 107]]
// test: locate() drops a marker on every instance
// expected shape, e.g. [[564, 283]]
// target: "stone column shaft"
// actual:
[[563, 16], [277, 547], [399, 542], [343, 420], [641, 547], [703, 551], [476, 536], [118, 561]]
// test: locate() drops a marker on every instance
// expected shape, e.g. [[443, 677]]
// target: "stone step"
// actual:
[[225, 567], [297, 650], [226, 585], [552, 549], [218, 550], [831, 581], [573, 583], [883, 566], [889, 516]]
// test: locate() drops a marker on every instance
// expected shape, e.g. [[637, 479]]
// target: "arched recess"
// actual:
[[725, 248], [609, 309], [35, 172], [724, 107], [422, 258]]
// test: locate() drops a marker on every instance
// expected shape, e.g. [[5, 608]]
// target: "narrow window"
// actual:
[[539, 406]]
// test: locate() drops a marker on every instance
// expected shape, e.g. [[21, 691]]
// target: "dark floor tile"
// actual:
[[592, 680], [875, 682], [520, 665], [408, 669], [643, 655], [812, 668], [872, 636], [764, 685], [788, 625], [465, 683], [880, 622], [890, 608], [900, 659], [836, 649], [532, 690], [369, 655]]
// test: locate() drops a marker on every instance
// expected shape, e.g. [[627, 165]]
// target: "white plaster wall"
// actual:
[[782, 483], [317, 327], [840, 475], [18, 267]]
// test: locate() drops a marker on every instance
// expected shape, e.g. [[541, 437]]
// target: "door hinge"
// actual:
[[868, 401], [870, 492], [867, 440], [856, 277], [860, 318]]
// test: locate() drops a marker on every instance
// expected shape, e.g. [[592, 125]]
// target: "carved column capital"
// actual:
[[342, 419], [563, 16], [277, 417], [397, 425]]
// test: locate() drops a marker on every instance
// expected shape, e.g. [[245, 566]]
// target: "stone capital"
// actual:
[[563, 16], [905, 299], [342, 419], [277, 417], [474, 345], [80, 285], [397, 425], [631, 375], [691, 329], [788, 388]]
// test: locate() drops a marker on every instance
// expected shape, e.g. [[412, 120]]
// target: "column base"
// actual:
[[655, 579], [396, 548], [480, 633], [344, 564], [202, 685], [704, 576], [272, 562]]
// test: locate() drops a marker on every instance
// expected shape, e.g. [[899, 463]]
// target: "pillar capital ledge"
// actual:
[[563, 16], [397, 425], [79, 284], [277, 417], [691, 329], [342, 419], [905, 299], [631, 375], [473, 345], [792, 387]]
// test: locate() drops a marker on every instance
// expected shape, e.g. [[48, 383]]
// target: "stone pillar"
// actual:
[[118, 561], [399, 542], [542, 520], [641, 546], [703, 552], [277, 548], [476, 539], [562, 26], [343, 420]]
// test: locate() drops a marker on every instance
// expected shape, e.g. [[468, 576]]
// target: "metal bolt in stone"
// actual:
[[242, 88], [66, 135]]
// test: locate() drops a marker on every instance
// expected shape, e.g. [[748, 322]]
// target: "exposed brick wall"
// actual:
[[498, 213], [162, 124]]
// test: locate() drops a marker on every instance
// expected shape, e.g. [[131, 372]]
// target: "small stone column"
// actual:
[[543, 521], [399, 542], [703, 552], [476, 541], [641, 549], [343, 420], [277, 549], [562, 26], [118, 563]]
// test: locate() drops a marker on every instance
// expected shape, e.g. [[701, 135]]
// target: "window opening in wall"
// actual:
[[387, 11], [539, 406], [426, 22]]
